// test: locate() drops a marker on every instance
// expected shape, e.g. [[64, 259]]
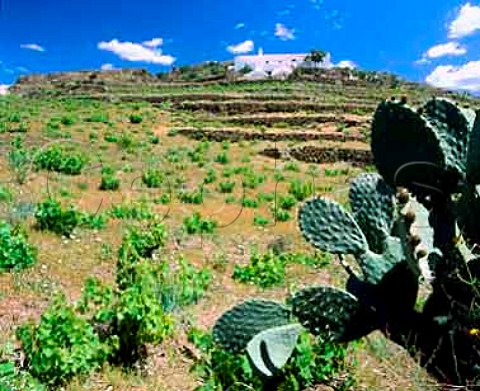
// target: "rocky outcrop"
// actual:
[[313, 154], [236, 135]]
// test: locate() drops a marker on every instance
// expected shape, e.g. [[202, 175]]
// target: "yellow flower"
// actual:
[[474, 332]]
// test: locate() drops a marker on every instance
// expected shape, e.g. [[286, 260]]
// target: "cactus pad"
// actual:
[[270, 350], [452, 125], [375, 266], [332, 312], [373, 205], [396, 124], [330, 228], [237, 326], [473, 153]]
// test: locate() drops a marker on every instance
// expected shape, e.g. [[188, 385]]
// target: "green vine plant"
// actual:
[[414, 222]]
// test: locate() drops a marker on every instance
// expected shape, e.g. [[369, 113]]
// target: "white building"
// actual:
[[278, 65]]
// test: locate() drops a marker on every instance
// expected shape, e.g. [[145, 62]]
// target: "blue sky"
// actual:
[[433, 40]]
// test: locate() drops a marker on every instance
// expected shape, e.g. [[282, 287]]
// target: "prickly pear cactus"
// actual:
[[416, 222]]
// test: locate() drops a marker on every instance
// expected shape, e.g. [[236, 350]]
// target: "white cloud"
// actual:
[[239, 26], [284, 33], [466, 23], [107, 67], [422, 61], [33, 46], [153, 43], [346, 64], [445, 49], [4, 89], [131, 51], [243, 47], [465, 77]]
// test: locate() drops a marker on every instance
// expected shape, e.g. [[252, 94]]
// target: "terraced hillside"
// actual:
[[180, 199]]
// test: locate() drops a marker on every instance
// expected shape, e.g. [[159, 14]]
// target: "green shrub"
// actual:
[[301, 189], [14, 379], [210, 177], [138, 315], [281, 215], [152, 178], [60, 159], [110, 138], [138, 243], [252, 180], [15, 252], [134, 211], [291, 166], [109, 182], [50, 216], [222, 158], [265, 270], [135, 118], [250, 202], [226, 187], [62, 346], [191, 197], [19, 159], [266, 197], [67, 120], [287, 202], [312, 363], [99, 118], [260, 220], [182, 284], [195, 224], [93, 221], [333, 172]]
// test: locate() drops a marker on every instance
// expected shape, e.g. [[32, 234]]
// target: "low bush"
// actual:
[[109, 182], [15, 251], [135, 118], [152, 178], [62, 345], [195, 224], [50, 216], [60, 159], [266, 270], [313, 362]]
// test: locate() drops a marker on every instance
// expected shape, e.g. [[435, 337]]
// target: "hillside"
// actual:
[[222, 166]]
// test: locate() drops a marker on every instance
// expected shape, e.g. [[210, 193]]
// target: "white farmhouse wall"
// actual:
[[271, 64]]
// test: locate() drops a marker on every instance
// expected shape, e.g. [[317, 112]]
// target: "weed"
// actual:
[[226, 187], [135, 118], [109, 182], [152, 178], [265, 270], [15, 251], [52, 217], [62, 345], [313, 362], [195, 224]]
